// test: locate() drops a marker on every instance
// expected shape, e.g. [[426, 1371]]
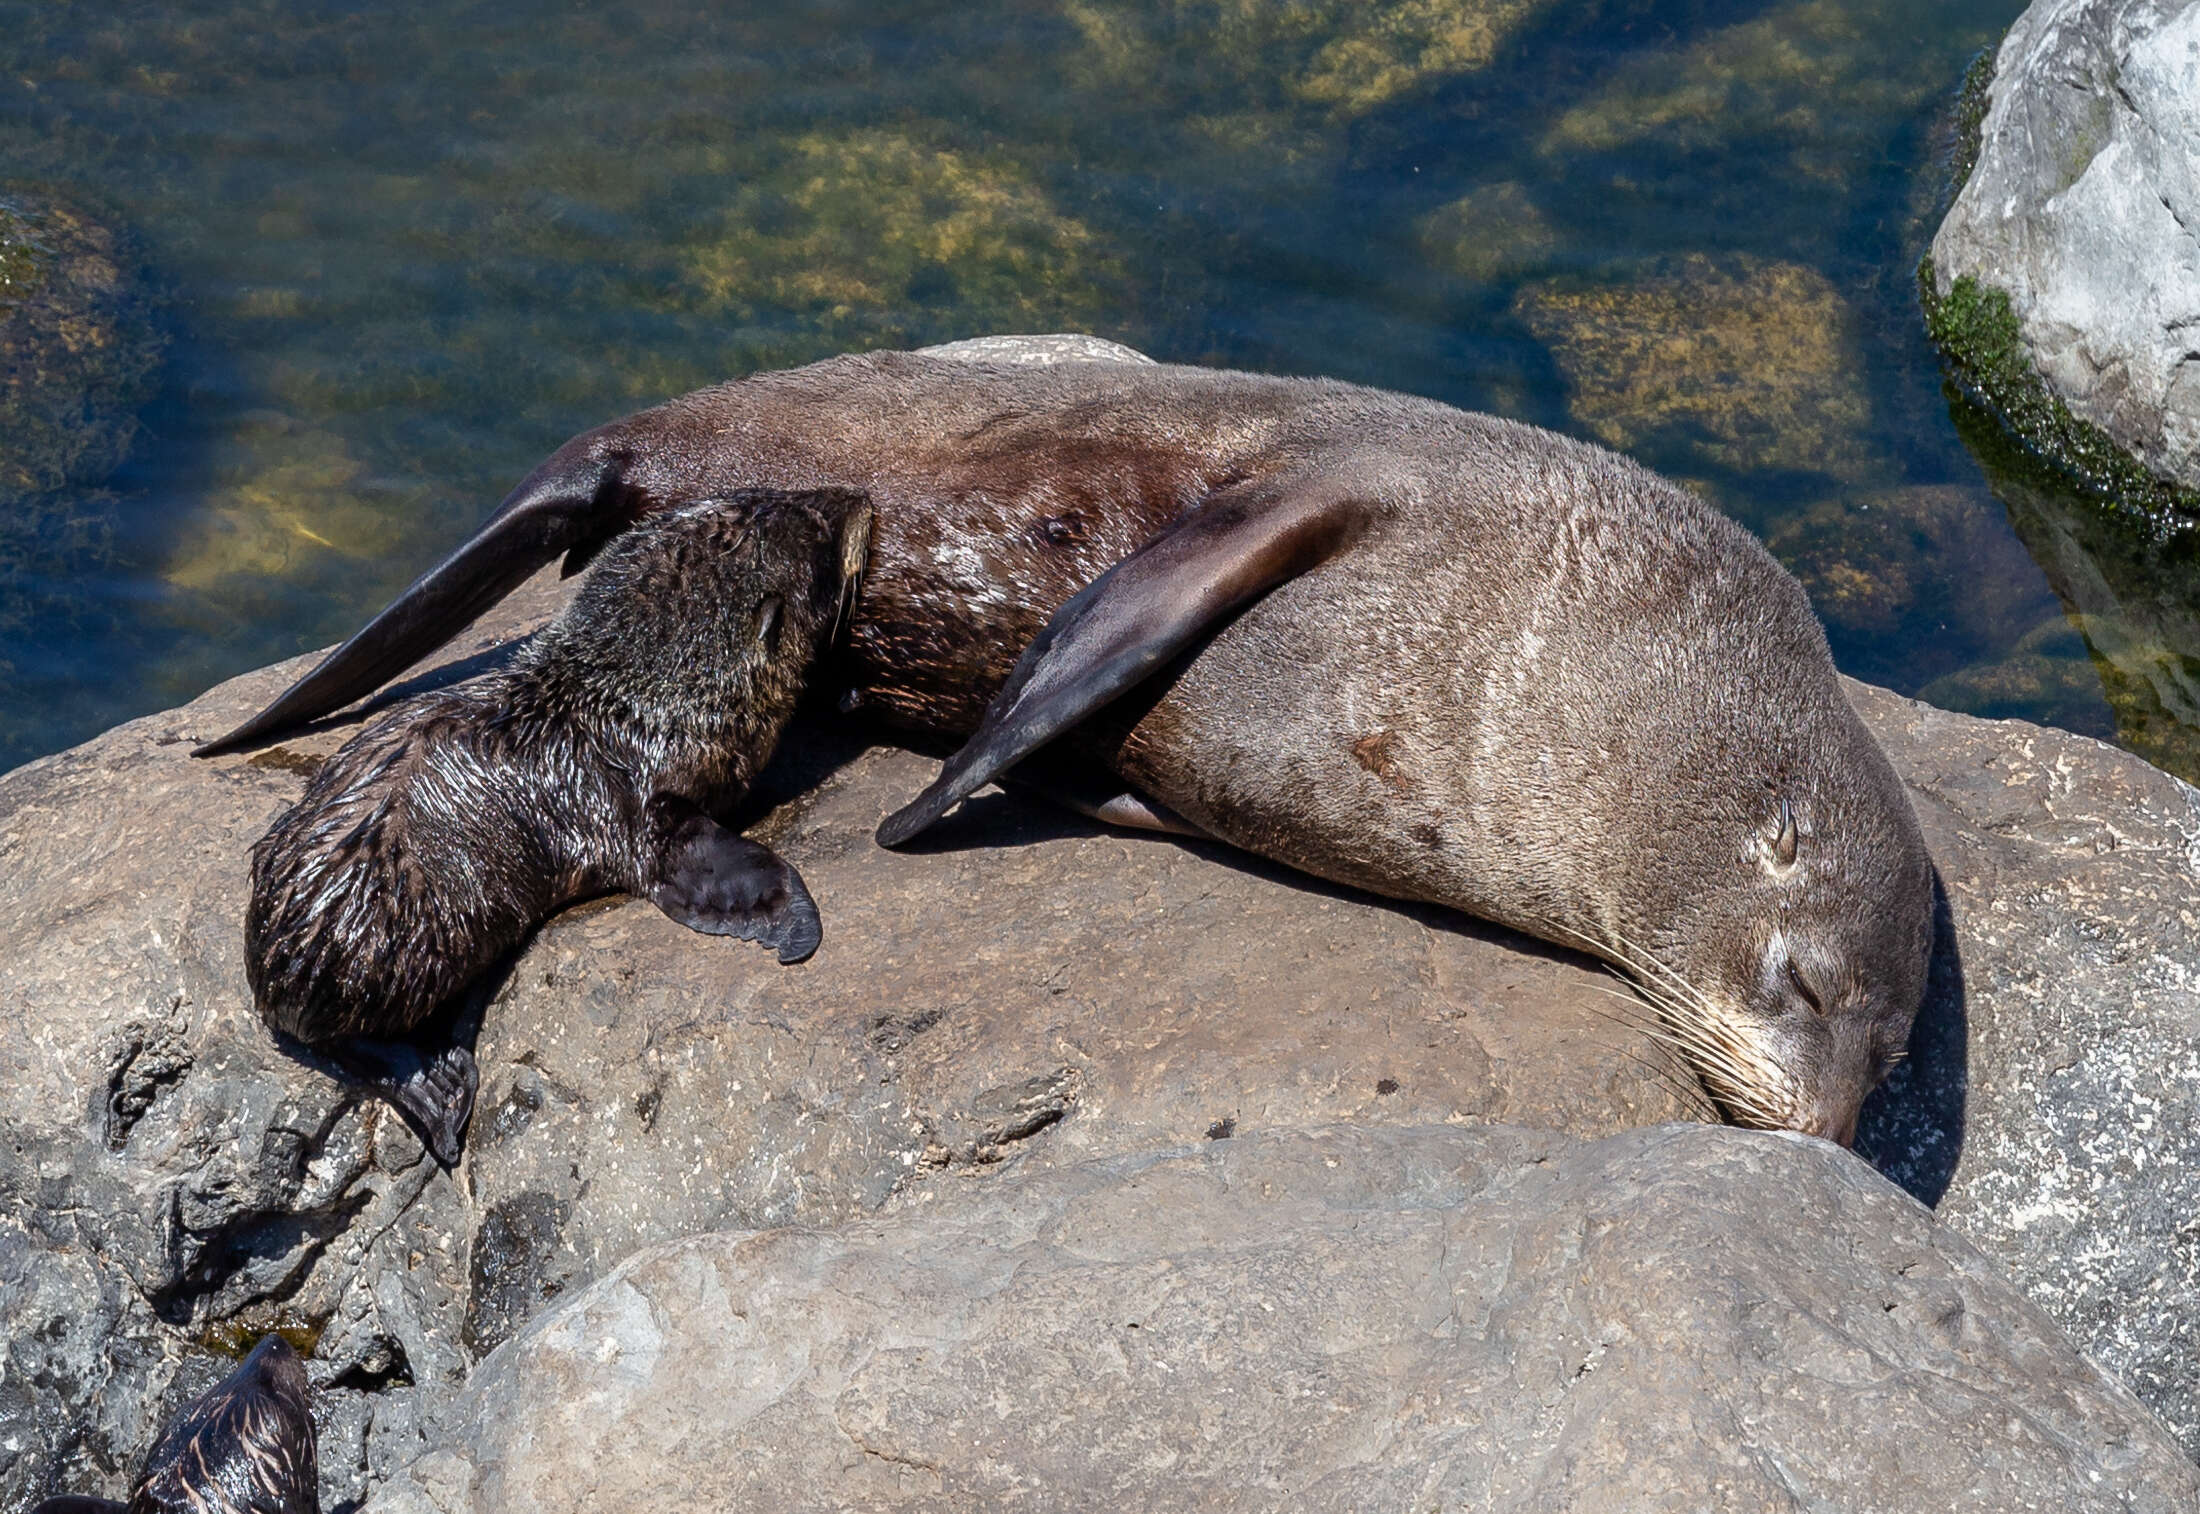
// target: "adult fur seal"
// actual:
[[1436, 655], [245, 1446]]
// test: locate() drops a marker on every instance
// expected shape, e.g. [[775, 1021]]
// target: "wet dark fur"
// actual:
[[245, 1446], [437, 838], [1540, 685]]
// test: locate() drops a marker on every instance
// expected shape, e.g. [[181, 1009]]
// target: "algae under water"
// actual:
[[402, 251]]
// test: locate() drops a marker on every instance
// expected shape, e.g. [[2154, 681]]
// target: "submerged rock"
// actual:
[[2065, 281], [887, 237], [78, 349], [1343, 58], [1336, 1319], [1728, 365]]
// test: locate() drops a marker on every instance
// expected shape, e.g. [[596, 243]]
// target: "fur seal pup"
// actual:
[[1440, 656], [244, 1446], [446, 831]]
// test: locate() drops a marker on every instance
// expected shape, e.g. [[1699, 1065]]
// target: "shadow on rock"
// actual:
[[1911, 1128]]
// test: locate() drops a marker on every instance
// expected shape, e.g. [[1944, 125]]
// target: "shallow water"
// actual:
[[402, 251]]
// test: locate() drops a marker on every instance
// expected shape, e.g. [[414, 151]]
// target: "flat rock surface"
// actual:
[[2083, 207], [1355, 1318]]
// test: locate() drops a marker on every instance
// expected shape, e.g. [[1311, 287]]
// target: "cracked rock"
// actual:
[[1027, 991], [1351, 1318]]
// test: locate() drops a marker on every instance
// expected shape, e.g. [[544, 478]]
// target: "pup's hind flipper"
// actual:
[[712, 880], [432, 1087]]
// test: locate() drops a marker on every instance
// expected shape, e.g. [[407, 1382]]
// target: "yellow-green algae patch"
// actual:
[[1781, 78], [1734, 365], [1491, 232], [882, 237], [287, 506], [1341, 57]]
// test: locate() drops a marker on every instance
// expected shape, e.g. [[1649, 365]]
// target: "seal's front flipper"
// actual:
[[573, 503], [712, 880], [1131, 619], [433, 1088]]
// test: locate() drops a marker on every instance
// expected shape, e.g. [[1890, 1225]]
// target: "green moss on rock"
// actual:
[[1977, 331]]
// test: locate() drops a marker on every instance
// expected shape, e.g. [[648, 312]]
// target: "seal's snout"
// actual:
[[1837, 1126]]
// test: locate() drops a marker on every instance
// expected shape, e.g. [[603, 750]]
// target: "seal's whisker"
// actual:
[[1688, 1088], [1732, 1074]]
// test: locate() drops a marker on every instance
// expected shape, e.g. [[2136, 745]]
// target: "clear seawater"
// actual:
[[398, 252]]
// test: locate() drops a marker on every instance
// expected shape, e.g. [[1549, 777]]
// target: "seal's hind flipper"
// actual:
[[433, 1088], [712, 880], [1131, 619], [571, 504]]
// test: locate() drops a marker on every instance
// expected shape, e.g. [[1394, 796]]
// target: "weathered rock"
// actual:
[[1028, 991], [1341, 1319], [2080, 210], [1031, 980], [2073, 1156]]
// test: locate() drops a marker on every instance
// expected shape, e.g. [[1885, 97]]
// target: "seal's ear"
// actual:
[[1131, 619], [573, 504], [711, 880]]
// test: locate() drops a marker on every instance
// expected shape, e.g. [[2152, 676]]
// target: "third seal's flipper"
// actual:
[[1133, 618], [244, 1446], [571, 504]]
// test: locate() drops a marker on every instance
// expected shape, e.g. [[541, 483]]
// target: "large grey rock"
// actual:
[[2084, 208], [1028, 991], [167, 1171], [1349, 1319], [2073, 1152]]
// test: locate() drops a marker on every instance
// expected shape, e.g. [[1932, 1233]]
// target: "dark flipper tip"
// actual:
[[917, 816], [722, 884], [433, 1090]]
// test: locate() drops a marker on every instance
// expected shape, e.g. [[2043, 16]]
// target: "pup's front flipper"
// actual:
[[1128, 622], [712, 880], [432, 1087]]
